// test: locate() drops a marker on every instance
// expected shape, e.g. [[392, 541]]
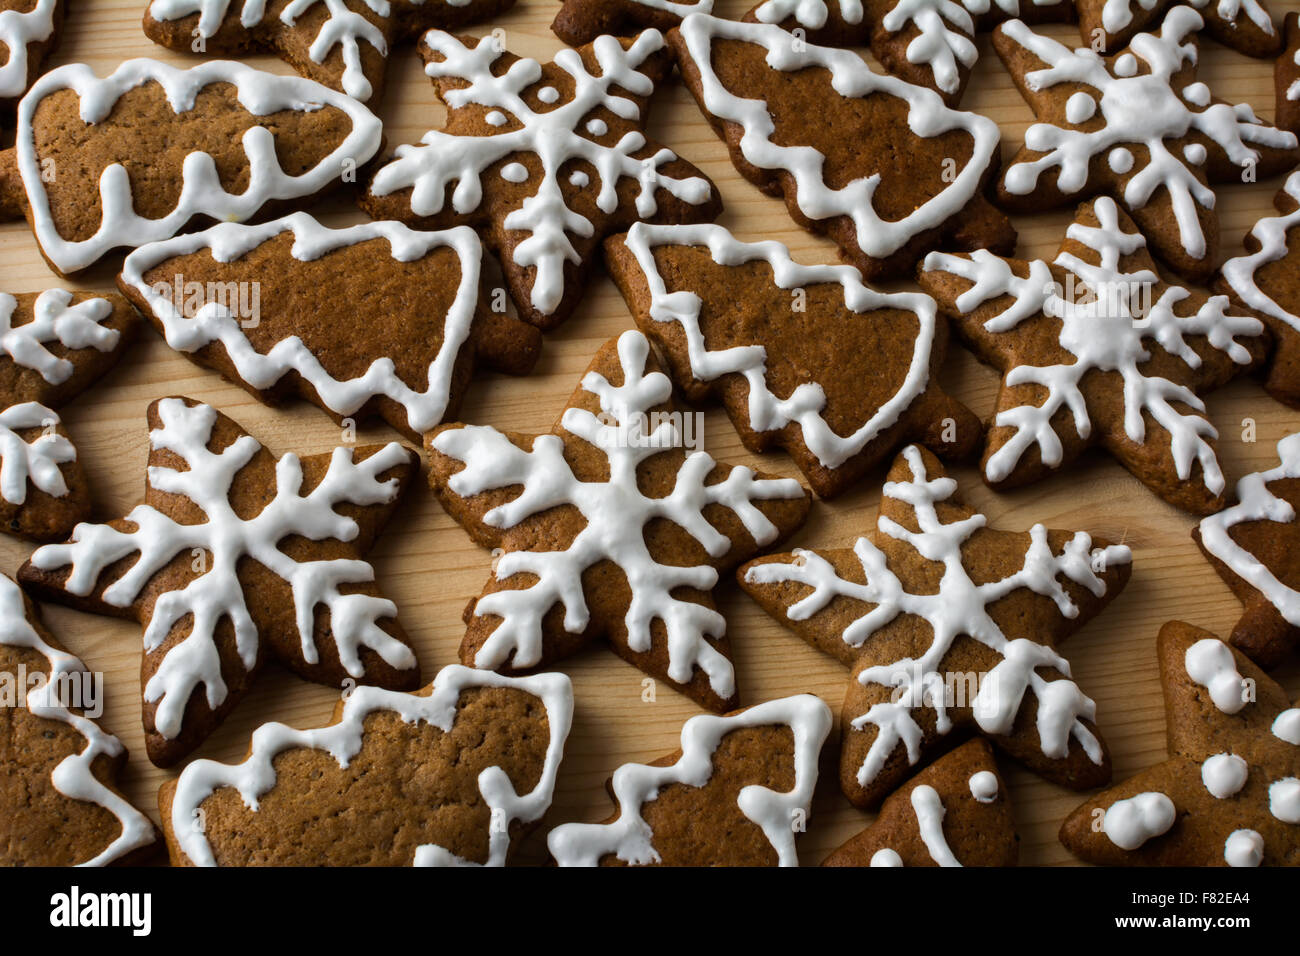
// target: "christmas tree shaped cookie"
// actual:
[[345, 46], [1244, 25], [955, 812], [608, 527], [454, 775], [1229, 794], [53, 346], [59, 805], [1140, 127], [882, 167], [270, 306], [545, 160], [807, 358], [736, 794], [951, 630], [1097, 349], [235, 557], [1287, 77], [29, 32], [581, 21]]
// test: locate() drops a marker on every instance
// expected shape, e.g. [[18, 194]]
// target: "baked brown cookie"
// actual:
[[581, 21], [53, 346], [454, 775], [955, 812], [806, 358], [1255, 546], [951, 630], [344, 46], [608, 527], [737, 793], [1140, 127], [368, 320], [882, 167], [29, 33], [1244, 25], [100, 164], [59, 802], [235, 557], [1096, 348], [1229, 794], [545, 160], [1287, 77]]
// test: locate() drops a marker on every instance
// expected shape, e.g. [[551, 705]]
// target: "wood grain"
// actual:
[[428, 565]]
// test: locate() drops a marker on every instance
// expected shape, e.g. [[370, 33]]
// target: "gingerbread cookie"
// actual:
[[1244, 25], [926, 42], [1287, 77], [880, 166], [59, 804], [53, 346], [1229, 794], [140, 155], [1097, 349], [545, 160], [1138, 126], [608, 527], [955, 812], [234, 557], [343, 46], [29, 32], [1253, 546], [806, 358], [736, 794], [426, 322], [950, 628], [581, 21], [454, 775]]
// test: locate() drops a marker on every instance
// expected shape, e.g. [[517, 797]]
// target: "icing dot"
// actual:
[[1284, 800], [1120, 159], [496, 118], [1209, 662], [1198, 94], [1126, 65], [1224, 775], [597, 127], [548, 94], [1130, 823], [579, 179], [984, 786], [1287, 726], [514, 173], [1194, 153], [886, 857], [1243, 848], [1080, 108]]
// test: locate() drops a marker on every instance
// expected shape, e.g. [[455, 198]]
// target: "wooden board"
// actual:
[[427, 564]]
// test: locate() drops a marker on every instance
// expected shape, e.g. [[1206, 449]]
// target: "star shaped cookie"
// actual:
[[1244, 25], [1096, 348]]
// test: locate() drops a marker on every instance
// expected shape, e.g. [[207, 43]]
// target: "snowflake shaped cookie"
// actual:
[[1244, 25], [1229, 794], [608, 527], [882, 167], [1287, 77], [236, 556], [1096, 349], [581, 21], [950, 628], [546, 160], [28, 34], [52, 347], [342, 45], [1139, 126]]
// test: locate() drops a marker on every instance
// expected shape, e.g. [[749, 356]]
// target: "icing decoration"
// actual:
[[1287, 726], [1239, 23], [261, 94], [631, 839], [1244, 848], [886, 857], [1209, 663], [1132, 822], [256, 775], [73, 777], [929, 817], [36, 461], [581, 21], [1284, 799], [984, 786], [214, 322], [616, 512], [56, 319], [1271, 235], [18, 30], [1224, 775], [549, 216]]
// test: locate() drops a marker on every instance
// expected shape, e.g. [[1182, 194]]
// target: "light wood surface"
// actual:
[[428, 565]]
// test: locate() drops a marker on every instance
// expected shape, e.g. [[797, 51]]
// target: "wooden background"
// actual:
[[427, 564]]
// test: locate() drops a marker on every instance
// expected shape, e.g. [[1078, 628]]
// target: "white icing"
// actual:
[[930, 812], [1080, 108], [442, 159], [1210, 663], [36, 461], [201, 193], [514, 173], [1284, 799], [630, 837], [1256, 503], [805, 405], [850, 76], [1111, 333], [1271, 234], [1243, 848], [1195, 154], [1120, 159], [548, 94], [616, 512], [1224, 775], [886, 857], [256, 775], [597, 127], [55, 319], [1132, 822], [1287, 726], [217, 595], [984, 786], [579, 180], [73, 777], [1138, 108], [1116, 15], [959, 607], [214, 322], [811, 14], [18, 30]]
